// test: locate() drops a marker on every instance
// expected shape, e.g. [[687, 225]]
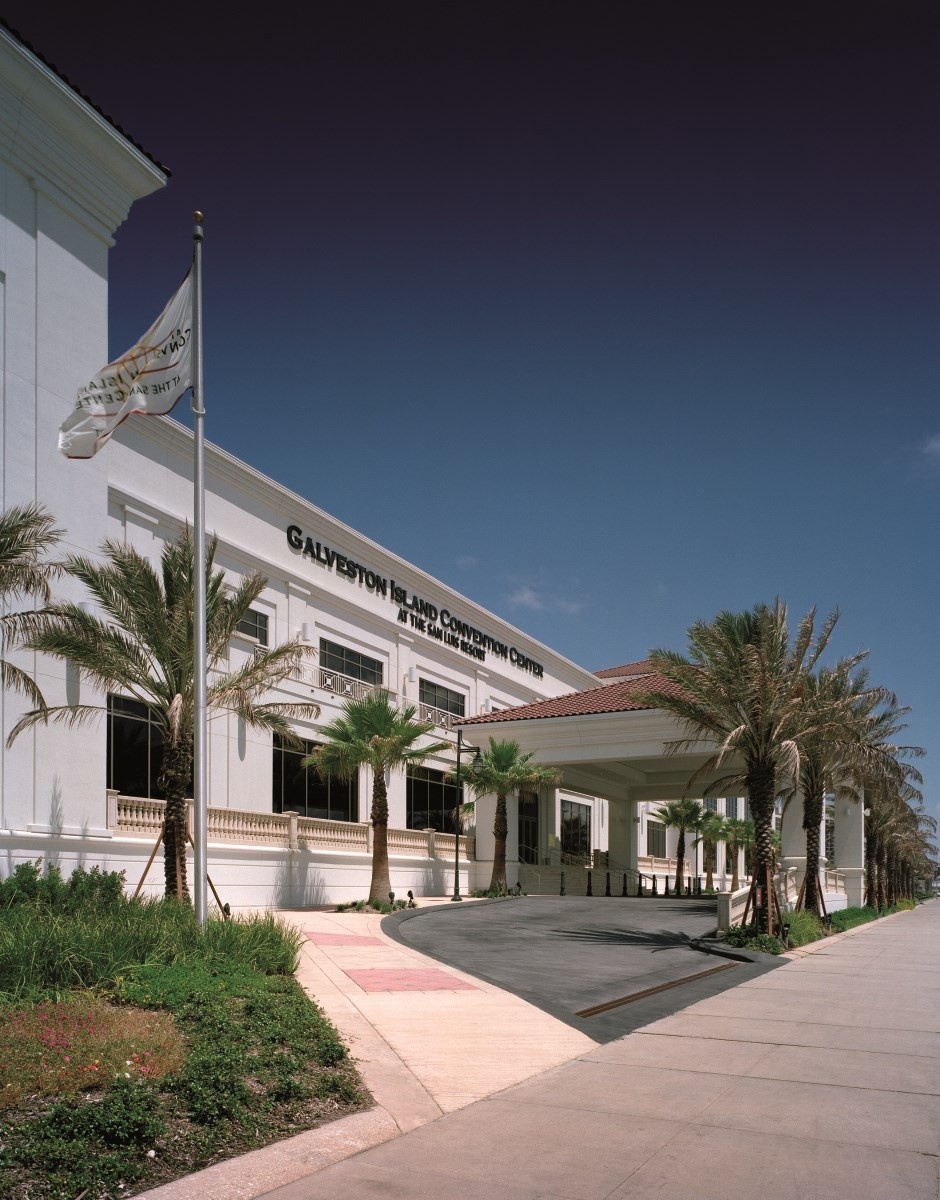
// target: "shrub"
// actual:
[[382, 906], [28, 884], [805, 927], [96, 1145], [848, 918], [749, 937]]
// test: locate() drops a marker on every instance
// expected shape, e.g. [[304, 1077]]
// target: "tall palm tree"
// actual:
[[142, 646], [372, 732], [738, 835], [502, 769], [27, 532], [686, 816], [741, 687], [711, 832], [846, 744]]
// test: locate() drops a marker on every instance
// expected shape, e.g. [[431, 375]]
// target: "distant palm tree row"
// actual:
[[777, 722]]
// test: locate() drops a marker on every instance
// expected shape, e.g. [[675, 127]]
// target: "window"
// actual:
[[731, 807], [711, 805], [254, 624], [351, 663], [134, 749], [528, 827], [431, 800], [656, 839], [575, 829], [436, 696], [300, 789]]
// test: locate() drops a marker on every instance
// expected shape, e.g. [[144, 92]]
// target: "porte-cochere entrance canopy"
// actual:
[[603, 741]]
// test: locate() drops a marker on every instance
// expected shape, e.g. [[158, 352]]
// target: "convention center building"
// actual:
[[277, 835]]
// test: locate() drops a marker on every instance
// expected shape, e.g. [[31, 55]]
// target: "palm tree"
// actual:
[[27, 531], [374, 733], [846, 744], [742, 688], [711, 832], [502, 769], [142, 646], [686, 816], [738, 835]]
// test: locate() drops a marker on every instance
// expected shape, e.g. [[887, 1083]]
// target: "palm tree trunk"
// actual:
[[708, 850], [381, 883], [174, 779], [500, 832], [735, 880], [812, 820], [680, 861], [871, 873], [882, 878], [762, 790]]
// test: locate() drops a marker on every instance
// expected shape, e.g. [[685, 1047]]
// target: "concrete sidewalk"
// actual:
[[820, 1079]]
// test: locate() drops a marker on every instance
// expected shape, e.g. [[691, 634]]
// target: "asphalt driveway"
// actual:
[[605, 965]]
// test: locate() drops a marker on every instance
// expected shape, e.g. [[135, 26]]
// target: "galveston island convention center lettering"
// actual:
[[414, 611]]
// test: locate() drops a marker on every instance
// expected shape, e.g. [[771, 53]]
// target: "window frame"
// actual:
[[255, 625], [354, 664]]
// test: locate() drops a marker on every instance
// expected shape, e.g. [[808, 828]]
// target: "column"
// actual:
[[849, 847]]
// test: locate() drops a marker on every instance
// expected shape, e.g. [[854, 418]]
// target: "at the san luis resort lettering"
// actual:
[[417, 613]]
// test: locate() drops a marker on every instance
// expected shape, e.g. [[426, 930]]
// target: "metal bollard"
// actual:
[[655, 891], [562, 892], [589, 890], [624, 892], [607, 889]]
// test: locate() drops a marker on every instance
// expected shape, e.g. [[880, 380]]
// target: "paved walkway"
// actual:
[[817, 1080]]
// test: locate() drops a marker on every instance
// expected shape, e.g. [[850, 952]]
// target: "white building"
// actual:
[[88, 795]]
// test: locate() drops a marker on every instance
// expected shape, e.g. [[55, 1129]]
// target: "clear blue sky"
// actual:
[[608, 315]]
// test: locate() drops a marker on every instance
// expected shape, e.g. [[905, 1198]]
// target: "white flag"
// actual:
[[149, 378]]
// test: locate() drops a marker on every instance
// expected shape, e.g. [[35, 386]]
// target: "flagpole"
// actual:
[[200, 771]]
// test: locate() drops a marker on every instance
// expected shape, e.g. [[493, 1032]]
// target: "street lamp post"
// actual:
[[460, 748]]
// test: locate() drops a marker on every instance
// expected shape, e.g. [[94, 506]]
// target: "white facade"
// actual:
[[69, 179]]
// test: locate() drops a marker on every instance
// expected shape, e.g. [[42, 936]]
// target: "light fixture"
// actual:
[[305, 632], [412, 674]]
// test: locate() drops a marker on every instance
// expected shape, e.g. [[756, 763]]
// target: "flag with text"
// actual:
[[149, 378]]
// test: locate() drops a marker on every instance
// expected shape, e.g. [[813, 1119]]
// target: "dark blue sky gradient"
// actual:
[[609, 315]]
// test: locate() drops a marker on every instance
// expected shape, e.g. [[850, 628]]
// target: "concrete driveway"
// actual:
[[604, 965]]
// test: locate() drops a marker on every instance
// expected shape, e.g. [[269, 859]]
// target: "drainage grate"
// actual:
[[662, 987]]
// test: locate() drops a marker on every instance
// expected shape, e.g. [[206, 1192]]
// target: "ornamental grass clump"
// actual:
[[805, 927]]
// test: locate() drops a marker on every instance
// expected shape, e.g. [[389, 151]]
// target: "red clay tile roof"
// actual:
[[626, 671], [613, 698]]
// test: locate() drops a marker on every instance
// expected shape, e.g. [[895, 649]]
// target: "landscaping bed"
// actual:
[[136, 1048], [805, 927]]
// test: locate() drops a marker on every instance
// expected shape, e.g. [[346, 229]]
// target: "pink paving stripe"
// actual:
[[343, 939], [422, 979]]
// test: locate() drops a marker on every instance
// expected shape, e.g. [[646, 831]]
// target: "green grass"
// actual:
[[136, 1048]]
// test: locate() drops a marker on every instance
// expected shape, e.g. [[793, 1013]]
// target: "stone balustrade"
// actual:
[[143, 818]]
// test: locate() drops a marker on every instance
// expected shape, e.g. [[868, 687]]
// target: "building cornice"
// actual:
[[67, 150]]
